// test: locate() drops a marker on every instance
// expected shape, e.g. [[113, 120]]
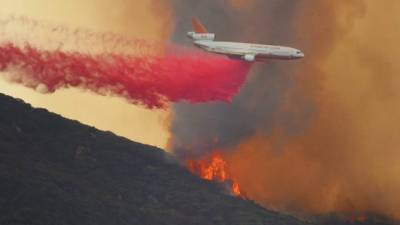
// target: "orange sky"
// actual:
[[347, 159], [143, 19]]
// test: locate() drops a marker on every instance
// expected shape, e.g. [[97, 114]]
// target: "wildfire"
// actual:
[[214, 167], [360, 218]]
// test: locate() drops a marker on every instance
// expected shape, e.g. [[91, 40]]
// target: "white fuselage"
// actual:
[[249, 52]]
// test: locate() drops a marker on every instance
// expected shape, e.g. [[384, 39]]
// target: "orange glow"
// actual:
[[214, 167], [346, 158], [236, 189], [360, 218]]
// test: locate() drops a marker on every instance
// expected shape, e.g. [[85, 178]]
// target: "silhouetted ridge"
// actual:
[[58, 171]]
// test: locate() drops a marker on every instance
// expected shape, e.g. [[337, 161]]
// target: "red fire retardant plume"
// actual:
[[151, 80]]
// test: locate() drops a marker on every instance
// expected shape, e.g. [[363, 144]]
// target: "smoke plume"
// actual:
[[146, 73], [198, 129], [319, 135]]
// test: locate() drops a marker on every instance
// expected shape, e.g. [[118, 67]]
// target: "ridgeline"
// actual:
[[57, 171]]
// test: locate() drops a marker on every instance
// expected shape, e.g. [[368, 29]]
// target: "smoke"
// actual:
[[205, 127], [316, 136], [146, 73]]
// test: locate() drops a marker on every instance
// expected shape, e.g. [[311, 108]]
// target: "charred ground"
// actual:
[[58, 171]]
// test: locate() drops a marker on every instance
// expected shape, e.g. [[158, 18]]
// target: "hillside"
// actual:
[[58, 171]]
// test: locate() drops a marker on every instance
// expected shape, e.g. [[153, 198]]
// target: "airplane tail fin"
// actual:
[[198, 27]]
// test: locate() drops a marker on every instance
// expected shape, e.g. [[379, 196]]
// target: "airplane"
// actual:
[[243, 51]]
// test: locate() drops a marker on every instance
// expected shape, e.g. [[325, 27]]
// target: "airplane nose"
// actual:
[[298, 54]]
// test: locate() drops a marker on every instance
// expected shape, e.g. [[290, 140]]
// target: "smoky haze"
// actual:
[[201, 128], [136, 19], [314, 136]]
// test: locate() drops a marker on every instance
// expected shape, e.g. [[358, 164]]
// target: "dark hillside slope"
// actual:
[[58, 171]]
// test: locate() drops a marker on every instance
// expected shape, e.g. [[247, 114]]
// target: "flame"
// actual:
[[213, 167], [361, 218]]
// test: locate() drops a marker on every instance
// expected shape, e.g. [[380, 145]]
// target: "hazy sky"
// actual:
[[138, 19], [333, 131]]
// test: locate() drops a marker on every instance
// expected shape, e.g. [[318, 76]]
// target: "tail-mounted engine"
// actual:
[[201, 36]]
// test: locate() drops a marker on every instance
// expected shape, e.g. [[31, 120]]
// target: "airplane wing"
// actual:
[[198, 27]]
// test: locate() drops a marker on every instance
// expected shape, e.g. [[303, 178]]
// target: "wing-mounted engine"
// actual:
[[249, 58], [201, 36]]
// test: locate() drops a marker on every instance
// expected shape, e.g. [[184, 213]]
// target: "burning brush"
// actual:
[[213, 167]]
